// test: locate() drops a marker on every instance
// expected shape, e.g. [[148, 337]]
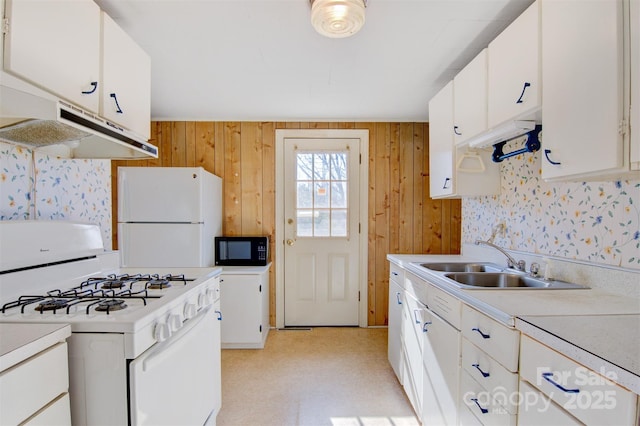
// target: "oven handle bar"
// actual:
[[157, 351]]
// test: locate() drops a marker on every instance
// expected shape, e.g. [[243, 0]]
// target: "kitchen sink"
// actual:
[[462, 267], [504, 280]]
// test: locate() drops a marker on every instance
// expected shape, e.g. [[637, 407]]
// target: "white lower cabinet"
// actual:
[[244, 303], [394, 330], [486, 405], [430, 351], [489, 384], [537, 409], [412, 324], [441, 362], [36, 390], [574, 389]]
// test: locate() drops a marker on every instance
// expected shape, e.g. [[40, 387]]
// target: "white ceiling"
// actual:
[[259, 60]]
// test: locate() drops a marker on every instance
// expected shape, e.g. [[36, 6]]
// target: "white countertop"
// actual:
[[21, 341], [588, 325]]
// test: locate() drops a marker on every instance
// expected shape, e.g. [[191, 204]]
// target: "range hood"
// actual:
[[41, 121]]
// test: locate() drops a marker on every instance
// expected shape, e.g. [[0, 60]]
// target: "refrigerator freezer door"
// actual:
[[162, 194], [164, 245]]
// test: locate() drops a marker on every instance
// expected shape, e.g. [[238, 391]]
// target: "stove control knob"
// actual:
[[190, 310], [211, 295], [175, 322], [161, 331]]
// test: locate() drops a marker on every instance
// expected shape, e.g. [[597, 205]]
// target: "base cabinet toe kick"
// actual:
[[480, 371]]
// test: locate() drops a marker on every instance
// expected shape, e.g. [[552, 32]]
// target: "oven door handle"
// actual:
[[156, 352]]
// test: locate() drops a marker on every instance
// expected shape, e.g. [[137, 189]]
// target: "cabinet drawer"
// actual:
[[416, 286], [445, 305], [537, 409], [494, 338], [396, 274], [484, 404], [489, 374], [589, 396], [57, 413], [17, 389]]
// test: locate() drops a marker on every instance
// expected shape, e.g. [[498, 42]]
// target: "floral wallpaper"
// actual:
[[590, 221], [34, 185]]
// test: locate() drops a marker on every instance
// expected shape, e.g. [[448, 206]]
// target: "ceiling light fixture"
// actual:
[[337, 18]]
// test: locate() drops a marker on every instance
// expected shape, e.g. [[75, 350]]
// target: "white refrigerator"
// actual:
[[168, 216]]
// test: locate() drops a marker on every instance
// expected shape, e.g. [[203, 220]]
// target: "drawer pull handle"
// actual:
[[484, 336], [455, 130], [219, 315], [446, 183], [548, 378], [415, 316], [395, 274], [482, 410], [424, 326], [398, 298], [477, 366]]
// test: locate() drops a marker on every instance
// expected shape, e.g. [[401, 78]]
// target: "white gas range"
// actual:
[[140, 336]]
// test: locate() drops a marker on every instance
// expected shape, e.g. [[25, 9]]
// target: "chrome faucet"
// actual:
[[520, 265]]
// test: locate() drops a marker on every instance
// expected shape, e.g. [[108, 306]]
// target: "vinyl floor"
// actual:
[[321, 376]]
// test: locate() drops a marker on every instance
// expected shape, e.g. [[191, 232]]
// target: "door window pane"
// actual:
[[321, 196]]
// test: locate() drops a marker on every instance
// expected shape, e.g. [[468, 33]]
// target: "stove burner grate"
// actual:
[[113, 284], [157, 284], [52, 305], [109, 305]]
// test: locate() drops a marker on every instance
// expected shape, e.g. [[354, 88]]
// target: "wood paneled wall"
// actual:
[[402, 217]]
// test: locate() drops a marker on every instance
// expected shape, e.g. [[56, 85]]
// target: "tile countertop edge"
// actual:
[[594, 362], [21, 341]]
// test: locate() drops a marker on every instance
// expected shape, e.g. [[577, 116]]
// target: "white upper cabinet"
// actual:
[[55, 45], [456, 172], [585, 115], [514, 76], [470, 99], [126, 80], [635, 84], [441, 143]]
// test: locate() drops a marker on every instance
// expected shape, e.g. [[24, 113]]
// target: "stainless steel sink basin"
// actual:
[[462, 267], [491, 280]]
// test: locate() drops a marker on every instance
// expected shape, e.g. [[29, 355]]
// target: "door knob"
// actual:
[[290, 242]]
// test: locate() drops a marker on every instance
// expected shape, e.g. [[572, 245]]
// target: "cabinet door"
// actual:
[[514, 70], [241, 306], [412, 333], [470, 99], [394, 347], [56, 46], [441, 359], [126, 75], [441, 143], [583, 87], [635, 84]]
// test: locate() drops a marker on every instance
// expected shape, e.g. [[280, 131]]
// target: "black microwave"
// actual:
[[242, 251]]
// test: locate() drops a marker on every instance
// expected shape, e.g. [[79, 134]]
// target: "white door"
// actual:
[[321, 232]]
